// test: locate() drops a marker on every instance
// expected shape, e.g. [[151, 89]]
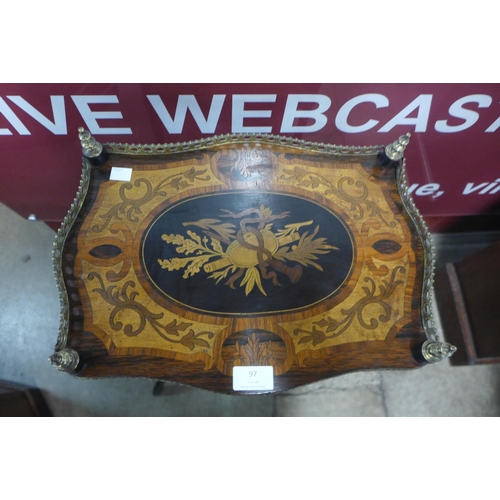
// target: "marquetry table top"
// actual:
[[242, 251]]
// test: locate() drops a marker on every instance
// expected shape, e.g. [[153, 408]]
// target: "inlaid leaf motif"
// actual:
[[176, 239], [185, 245], [334, 327], [298, 173], [131, 207], [256, 353], [355, 193], [252, 254], [291, 228], [266, 212], [195, 265], [193, 174], [315, 335], [174, 264], [307, 250], [219, 275], [252, 278], [216, 245], [190, 340], [330, 324], [124, 299], [224, 229], [178, 183], [173, 328]]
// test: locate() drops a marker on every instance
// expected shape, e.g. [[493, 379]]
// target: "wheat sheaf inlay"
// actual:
[[247, 252], [247, 249]]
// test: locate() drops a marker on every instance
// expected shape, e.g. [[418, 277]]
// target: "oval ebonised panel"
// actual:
[[247, 253]]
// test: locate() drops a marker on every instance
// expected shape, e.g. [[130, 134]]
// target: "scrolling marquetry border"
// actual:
[[228, 139]]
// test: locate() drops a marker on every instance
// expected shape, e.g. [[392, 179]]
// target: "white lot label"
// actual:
[[253, 378], [120, 174]]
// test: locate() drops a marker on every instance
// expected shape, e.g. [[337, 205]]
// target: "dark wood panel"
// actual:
[[467, 297], [17, 400]]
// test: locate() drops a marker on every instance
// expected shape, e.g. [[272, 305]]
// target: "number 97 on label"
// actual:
[[253, 378]]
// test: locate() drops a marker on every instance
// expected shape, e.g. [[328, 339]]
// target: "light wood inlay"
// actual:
[[243, 254]]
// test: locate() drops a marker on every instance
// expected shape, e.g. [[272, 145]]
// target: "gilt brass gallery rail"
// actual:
[[243, 251]]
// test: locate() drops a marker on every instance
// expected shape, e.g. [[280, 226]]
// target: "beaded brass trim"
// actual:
[[429, 254], [219, 140], [57, 250]]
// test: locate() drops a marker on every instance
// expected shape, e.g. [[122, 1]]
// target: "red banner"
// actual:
[[453, 158]]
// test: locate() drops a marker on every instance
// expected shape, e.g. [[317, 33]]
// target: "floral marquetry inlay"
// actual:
[[243, 254]]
